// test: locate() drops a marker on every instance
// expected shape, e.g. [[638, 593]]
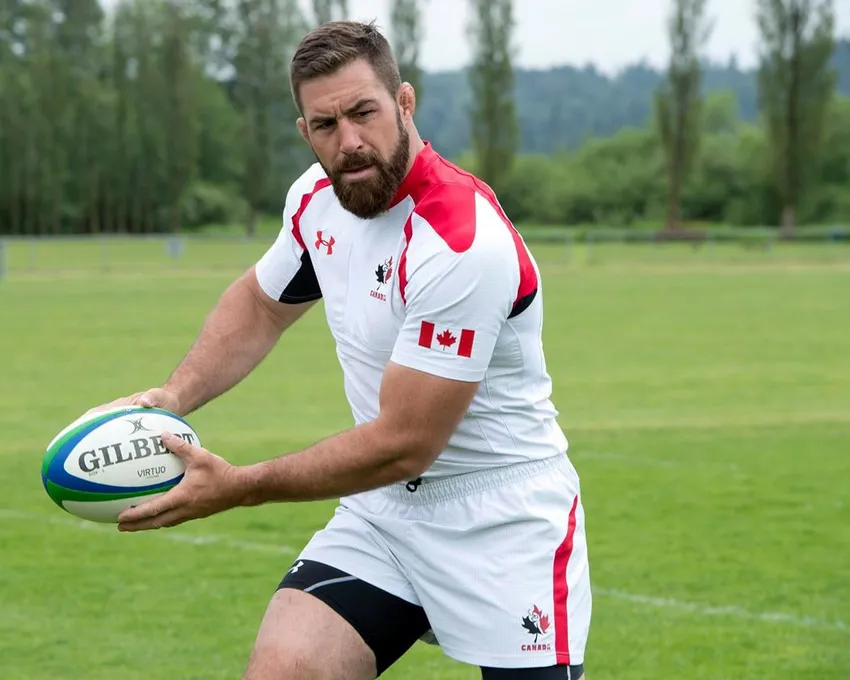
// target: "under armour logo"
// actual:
[[329, 244], [137, 426], [296, 567]]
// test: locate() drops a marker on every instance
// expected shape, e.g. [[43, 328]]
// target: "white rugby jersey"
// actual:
[[442, 283]]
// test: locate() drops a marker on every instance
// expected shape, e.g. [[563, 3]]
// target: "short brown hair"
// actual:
[[330, 47]]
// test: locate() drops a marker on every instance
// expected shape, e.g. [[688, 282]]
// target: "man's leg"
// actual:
[[324, 624], [301, 638]]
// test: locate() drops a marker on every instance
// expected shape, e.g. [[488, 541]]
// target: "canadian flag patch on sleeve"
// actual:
[[449, 340]]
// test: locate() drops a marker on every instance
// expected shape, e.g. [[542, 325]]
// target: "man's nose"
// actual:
[[350, 140]]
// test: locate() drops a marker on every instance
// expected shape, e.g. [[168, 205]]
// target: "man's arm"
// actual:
[[237, 335], [462, 296], [419, 413]]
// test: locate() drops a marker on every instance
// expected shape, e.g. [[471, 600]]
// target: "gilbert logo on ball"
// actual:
[[102, 463]]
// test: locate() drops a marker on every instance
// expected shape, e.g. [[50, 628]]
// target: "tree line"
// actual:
[[174, 114], [624, 180]]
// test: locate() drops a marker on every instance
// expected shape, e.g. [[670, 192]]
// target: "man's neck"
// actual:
[[416, 145]]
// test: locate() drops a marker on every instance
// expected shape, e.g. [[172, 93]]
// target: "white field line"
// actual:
[[167, 535], [729, 611], [698, 608]]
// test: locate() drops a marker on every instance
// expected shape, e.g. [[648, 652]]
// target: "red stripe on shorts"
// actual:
[[561, 591]]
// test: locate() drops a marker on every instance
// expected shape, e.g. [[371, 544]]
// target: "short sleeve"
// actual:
[[285, 271], [456, 303]]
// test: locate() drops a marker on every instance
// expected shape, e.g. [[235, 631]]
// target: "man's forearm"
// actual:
[[237, 334], [352, 461]]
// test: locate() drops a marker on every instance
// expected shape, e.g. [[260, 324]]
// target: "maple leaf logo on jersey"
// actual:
[[446, 339], [536, 622], [384, 271]]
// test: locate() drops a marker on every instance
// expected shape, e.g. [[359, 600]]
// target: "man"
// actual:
[[460, 518]]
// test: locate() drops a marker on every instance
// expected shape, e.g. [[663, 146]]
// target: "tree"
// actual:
[[266, 37], [178, 108], [329, 10], [78, 113], [407, 39], [678, 100], [796, 84], [495, 132], [831, 196], [720, 113]]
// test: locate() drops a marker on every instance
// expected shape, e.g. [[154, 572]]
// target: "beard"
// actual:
[[369, 197]]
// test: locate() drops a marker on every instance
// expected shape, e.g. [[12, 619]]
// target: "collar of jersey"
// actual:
[[417, 178]]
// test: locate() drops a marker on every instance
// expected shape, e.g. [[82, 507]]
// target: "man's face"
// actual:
[[358, 135]]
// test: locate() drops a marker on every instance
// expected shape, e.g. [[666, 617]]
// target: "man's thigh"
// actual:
[[301, 638], [385, 624]]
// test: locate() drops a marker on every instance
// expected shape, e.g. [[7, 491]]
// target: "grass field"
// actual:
[[706, 396]]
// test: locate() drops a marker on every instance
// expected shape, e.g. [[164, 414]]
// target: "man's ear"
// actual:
[[302, 128], [406, 100]]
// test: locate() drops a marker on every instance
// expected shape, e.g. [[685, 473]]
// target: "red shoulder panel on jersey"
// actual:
[[305, 201], [527, 274], [450, 210], [445, 197]]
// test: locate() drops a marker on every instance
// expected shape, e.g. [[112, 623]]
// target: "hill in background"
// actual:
[[560, 107]]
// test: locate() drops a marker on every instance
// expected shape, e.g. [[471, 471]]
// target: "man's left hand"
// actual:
[[209, 486]]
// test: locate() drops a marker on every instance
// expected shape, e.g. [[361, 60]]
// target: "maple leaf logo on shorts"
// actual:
[[535, 622]]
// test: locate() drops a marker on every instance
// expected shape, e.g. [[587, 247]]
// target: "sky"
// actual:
[[608, 33]]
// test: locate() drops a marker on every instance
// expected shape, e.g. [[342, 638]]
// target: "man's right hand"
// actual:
[[156, 397]]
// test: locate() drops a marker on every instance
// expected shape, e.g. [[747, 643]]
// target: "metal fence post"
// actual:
[[176, 247]]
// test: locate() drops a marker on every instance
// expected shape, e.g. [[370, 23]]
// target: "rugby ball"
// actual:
[[107, 461]]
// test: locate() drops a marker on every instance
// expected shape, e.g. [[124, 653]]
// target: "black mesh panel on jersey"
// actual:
[[388, 624], [304, 286], [522, 304]]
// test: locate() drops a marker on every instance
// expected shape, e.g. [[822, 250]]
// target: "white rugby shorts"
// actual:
[[497, 558]]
